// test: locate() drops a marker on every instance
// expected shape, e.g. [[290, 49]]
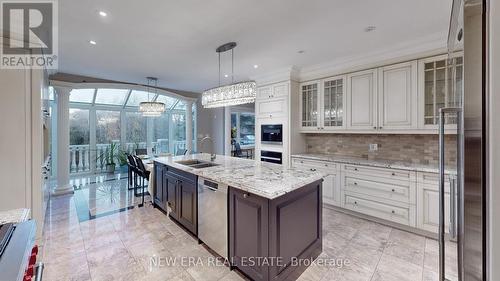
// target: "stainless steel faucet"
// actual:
[[213, 155]]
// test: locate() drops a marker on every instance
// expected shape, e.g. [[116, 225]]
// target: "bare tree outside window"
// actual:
[[107, 126]]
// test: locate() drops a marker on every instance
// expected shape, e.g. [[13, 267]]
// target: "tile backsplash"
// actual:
[[418, 149]]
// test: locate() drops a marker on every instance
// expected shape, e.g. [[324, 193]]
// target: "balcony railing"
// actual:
[[81, 156]]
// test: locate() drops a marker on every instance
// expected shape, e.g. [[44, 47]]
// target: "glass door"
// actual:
[[333, 103], [309, 104], [443, 87]]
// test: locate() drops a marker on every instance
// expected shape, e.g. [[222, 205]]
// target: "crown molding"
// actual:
[[431, 45], [279, 75]]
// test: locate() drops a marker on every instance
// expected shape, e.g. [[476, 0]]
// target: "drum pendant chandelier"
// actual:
[[232, 94], [151, 108]]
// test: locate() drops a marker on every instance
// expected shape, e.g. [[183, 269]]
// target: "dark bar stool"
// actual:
[[238, 152], [132, 172], [143, 175]]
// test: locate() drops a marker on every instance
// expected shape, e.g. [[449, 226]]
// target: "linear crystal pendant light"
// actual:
[[151, 108], [232, 94]]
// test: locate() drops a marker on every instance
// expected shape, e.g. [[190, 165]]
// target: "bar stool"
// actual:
[[143, 175], [132, 172]]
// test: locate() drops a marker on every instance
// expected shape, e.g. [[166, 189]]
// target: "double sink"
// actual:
[[197, 164]]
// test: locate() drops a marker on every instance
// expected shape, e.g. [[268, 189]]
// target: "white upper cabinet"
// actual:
[[441, 85], [309, 106], [402, 98], [272, 101], [361, 102], [264, 92], [397, 96], [332, 103], [272, 91], [322, 104]]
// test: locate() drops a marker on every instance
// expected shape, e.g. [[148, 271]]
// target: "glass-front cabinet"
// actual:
[[322, 104], [441, 85], [333, 103], [309, 105]]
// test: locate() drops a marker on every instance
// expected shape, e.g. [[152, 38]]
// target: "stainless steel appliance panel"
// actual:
[[212, 215]]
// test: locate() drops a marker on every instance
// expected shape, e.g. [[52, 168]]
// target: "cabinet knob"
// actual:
[[380, 127], [355, 202], [393, 190], [355, 183], [326, 165], [355, 169], [374, 127], [245, 195], [312, 169], [393, 212], [301, 161]]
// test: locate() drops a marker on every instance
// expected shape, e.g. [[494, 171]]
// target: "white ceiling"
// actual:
[[176, 40]]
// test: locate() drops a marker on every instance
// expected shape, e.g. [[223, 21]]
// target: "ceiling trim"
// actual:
[[83, 85]]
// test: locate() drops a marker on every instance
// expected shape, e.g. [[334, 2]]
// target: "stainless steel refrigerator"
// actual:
[[468, 33]]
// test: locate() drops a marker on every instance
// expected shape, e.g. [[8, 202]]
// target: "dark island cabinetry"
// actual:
[[266, 235], [175, 193]]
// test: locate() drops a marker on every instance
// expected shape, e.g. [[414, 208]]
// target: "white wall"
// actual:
[[210, 122], [494, 140]]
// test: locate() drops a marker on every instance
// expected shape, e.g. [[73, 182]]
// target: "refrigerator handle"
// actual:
[[441, 233], [453, 208]]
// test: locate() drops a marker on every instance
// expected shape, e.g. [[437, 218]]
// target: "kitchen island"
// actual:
[[274, 213]]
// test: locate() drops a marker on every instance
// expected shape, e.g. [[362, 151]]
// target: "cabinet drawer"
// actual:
[[399, 193], [323, 165], [378, 172], [271, 108], [388, 212]]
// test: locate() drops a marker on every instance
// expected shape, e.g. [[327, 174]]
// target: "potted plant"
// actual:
[[122, 160], [109, 156]]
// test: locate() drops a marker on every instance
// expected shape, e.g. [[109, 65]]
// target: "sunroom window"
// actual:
[[101, 116], [111, 96]]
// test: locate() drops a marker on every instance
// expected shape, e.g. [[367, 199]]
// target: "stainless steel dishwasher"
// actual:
[[212, 215]]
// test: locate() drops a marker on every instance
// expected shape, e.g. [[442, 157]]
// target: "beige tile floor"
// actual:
[[120, 247]]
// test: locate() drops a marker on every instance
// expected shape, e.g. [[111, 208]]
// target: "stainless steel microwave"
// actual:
[[272, 134]]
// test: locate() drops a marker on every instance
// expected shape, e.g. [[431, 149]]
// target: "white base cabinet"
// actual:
[[331, 183], [404, 197], [428, 198]]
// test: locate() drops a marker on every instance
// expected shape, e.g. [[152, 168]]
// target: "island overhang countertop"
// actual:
[[260, 178]]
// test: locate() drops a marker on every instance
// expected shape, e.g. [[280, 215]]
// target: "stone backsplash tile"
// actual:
[[418, 149]]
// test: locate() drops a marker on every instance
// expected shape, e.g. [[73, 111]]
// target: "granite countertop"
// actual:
[[374, 163], [261, 178], [14, 216]]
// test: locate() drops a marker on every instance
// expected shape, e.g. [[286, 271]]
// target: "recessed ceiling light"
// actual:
[[225, 75], [102, 13], [255, 66], [92, 42], [370, 28], [301, 51]]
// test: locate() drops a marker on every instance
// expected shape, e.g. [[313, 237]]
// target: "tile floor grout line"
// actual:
[[380, 258], [83, 241]]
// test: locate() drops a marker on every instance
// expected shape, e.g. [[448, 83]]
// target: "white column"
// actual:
[[63, 186], [227, 130], [93, 146], [189, 127], [149, 135]]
